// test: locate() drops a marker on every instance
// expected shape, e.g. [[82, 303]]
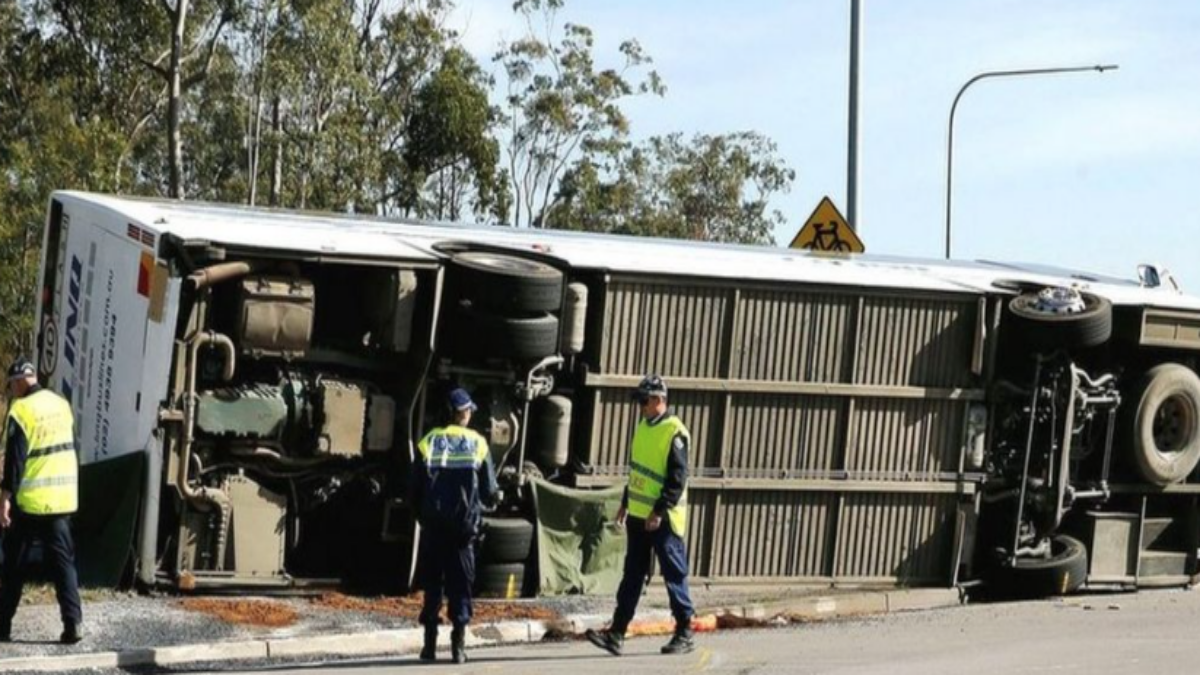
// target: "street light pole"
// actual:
[[852, 122], [954, 107]]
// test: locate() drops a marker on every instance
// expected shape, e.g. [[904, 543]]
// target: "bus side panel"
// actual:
[[94, 342], [106, 326]]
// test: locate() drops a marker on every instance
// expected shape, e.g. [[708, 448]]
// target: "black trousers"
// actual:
[[447, 563], [55, 535], [671, 552]]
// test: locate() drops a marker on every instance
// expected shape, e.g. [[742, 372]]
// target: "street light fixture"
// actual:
[[954, 107]]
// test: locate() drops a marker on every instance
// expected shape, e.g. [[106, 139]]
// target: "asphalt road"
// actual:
[[1149, 632]]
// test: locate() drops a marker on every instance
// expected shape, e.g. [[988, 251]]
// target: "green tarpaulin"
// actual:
[[579, 548], [110, 495]]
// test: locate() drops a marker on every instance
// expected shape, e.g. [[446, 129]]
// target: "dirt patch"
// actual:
[[245, 612], [409, 607], [510, 611], [732, 621]]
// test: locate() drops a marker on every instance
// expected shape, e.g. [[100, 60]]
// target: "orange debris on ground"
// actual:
[[247, 612], [700, 624], [409, 607]]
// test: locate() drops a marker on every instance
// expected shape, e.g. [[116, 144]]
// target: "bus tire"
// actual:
[[500, 580], [1166, 424], [507, 284], [483, 334], [1060, 574], [1047, 332], [506, 540]]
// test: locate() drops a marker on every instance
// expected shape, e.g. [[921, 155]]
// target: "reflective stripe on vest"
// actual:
[[50, 484], [648, 469], [453, 447]]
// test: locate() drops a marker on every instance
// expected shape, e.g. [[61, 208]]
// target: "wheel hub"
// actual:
[[1059, 300], [1174, 424]]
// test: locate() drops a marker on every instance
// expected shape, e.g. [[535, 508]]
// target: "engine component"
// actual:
[[381, 423], [552, 431], [276, 317], [394, 303], [256, 411], [258, 533], [503, 427], [574, 317], [343, 418]]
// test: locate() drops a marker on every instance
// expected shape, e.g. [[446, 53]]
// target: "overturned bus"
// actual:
[[249, 385]]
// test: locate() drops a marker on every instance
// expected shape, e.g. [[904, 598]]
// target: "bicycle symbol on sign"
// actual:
[[826, 238]]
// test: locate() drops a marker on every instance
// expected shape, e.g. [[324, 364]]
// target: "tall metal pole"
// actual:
[[954, 107], [852, 125]]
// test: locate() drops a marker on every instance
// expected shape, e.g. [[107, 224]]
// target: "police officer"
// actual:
[[38, 494], [452, 479], [654, 513]]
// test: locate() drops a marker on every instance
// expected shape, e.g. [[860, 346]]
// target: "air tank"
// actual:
[[552, 428], [574, 316]]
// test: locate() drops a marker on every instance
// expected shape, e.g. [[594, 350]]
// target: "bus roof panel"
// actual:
[[399, 239]]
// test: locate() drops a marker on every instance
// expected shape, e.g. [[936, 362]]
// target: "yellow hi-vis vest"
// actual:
[[648, 470], [453, 447], [50, 484]]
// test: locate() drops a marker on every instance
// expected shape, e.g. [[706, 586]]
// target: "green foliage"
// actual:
[[449, 140], [365, 105], [560, 104], [711, 188]]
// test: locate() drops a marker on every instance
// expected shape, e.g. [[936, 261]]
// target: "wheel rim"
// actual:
[[1059, 549], [1174, 424], [1058, 300], [500, 262]]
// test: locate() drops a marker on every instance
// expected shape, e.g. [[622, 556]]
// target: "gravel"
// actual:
[[133, 621], [118, 622]]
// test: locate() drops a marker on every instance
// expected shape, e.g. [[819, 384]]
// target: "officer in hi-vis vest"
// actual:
[[654, 513], [451, 482], [38, 494]]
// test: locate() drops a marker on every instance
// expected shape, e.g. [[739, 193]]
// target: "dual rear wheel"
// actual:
[[502, 306]]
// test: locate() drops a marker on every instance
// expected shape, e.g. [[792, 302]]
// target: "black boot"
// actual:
[[5, 631], [681, 642], [429, 651], [72, 633], [609, 640], [458, 650]]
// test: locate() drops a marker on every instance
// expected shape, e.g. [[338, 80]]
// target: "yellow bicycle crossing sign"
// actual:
[[827, 230]]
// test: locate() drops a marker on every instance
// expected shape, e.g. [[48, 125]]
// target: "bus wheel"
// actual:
[[481, 333], [1061, 318], [501, 580], [506, 540], [1166, 424], [1060, 574], [508, 284]]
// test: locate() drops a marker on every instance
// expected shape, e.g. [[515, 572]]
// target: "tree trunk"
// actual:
[[256, 132], [277, 155], [175, 101]]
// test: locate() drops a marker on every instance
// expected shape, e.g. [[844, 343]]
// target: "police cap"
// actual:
[[651, 385], [21, 369]]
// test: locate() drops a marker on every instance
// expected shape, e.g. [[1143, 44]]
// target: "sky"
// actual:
[[1099, 172]]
